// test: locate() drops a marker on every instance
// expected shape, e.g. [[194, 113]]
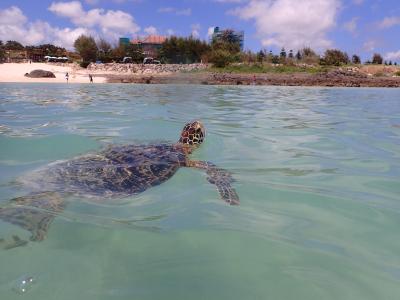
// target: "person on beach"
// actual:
[[66, 76], [90, 78]]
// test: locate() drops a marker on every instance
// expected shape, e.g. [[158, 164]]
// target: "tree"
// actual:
[[377, 59], [261, 56], [308, 52], [13, 45], [104, 50], [290, 53], [390, 63], [335, 57], [103, 45], [221, 58], [183, 50], [86, 47], [356, 59], [275, 59], [2, 53], [309, 56], [134, 51], [118, 53], [227, 37], [283, 53], [298, 55]]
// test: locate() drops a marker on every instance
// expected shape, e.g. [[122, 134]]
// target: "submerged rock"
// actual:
[[40, 74]]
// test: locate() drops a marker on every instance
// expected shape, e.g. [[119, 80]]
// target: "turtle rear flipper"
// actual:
[[33, 213]]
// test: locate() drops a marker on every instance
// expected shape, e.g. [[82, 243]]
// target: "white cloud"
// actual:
[[393, 56], [389, 22], [14, 25], [351, 26], [210, 31], [151, 30], [110, 24], [370, 45], [12, 16], [170, 32], [292, 23], [178, 12], [195, 30]]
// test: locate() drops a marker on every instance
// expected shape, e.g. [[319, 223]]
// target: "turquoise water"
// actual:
[[317, 171]]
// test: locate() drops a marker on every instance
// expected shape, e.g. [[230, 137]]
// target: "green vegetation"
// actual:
[[377, 59], [224, 53], [48, 49], [268, 68], [13, 45], [2, 53], [334, 57], [87, 49], [183, 50], [397, 73], [356, 59]]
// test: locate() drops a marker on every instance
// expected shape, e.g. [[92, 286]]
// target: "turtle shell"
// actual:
[[115, 172]]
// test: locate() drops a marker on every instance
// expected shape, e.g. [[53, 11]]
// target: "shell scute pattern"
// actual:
[[117, 171]]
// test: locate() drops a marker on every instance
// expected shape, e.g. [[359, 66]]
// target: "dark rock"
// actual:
[[40, 74]]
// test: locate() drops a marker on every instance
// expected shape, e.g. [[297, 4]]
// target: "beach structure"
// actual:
[[230, 34], [150, 44]]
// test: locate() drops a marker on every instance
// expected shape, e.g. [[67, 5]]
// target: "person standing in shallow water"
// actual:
[[66, 76], [90, 78]]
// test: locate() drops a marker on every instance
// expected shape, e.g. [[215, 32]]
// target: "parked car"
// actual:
[[127, 60], [150, 60]]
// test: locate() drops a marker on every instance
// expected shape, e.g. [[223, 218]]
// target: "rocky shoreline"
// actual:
[[330, 79], [365, 76], [140, 69]]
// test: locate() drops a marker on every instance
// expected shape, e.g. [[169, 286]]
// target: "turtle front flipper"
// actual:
[[33, 213], [221, 178]]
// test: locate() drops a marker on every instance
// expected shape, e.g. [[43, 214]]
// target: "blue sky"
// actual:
[[356, 26]]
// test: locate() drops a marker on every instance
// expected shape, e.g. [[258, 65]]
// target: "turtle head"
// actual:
[[192, 134]]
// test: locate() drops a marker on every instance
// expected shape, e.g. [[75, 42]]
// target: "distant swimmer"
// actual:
[[67, 76]]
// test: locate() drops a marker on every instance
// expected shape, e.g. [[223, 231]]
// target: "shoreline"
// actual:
[[266, 79], [173, 74]]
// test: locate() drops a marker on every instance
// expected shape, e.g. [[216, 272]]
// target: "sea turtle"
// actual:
[[116, 172]]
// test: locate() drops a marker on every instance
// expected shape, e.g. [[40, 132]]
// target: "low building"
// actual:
[[233, 35], [150, 45]]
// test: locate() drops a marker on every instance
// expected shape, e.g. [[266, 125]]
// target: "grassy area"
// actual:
[[258, 68]]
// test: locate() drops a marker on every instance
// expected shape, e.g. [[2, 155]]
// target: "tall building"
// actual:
[[232, 35], [123, 41]]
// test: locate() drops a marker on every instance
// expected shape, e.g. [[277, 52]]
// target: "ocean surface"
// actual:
[[317, 171]]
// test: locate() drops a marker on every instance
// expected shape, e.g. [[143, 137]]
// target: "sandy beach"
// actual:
[[364, 76], [14, 72]]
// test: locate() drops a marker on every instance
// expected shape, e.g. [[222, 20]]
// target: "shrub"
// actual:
[[377, 59], [84, 64], [335, 57], [356, 59], [221, 58]]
